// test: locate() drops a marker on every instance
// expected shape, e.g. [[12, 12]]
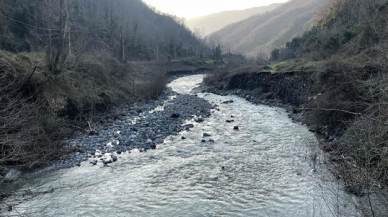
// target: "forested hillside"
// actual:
[[214, 22], [262, 33], [129, 29]]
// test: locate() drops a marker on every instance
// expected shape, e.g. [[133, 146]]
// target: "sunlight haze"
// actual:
[[195, 8]]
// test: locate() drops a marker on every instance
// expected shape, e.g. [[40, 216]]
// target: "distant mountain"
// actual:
[[262, 33], [215, 22]]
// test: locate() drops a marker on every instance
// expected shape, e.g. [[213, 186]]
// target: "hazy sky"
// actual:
[[193, 8]]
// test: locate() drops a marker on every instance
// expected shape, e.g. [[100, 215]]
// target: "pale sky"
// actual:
[[194, 8]]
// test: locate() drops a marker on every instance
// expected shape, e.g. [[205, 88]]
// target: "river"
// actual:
[[263, 169]]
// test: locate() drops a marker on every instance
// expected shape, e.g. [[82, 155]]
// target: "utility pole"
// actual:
[[69, 43]]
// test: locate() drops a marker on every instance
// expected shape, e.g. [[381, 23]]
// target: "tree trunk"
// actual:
[[57, 66]]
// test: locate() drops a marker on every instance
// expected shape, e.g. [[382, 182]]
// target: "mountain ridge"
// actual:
[[216, 21], [262, 33]]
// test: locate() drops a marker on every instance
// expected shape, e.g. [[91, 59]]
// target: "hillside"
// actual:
[[214, 22], [262, 33], [129, 29]]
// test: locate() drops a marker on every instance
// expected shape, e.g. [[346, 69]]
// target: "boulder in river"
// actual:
[[159, 141], [149, 141], [114, 157], [229, 121], [107, 161], [228, 102], [199, 120], [235, 128], [175, 115], [206, 135], [94, 162], [188, 126]]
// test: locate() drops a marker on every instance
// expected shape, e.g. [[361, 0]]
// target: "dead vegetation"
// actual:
[[28, 134], [38, 109]]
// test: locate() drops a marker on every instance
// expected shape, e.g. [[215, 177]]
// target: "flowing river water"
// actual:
[[262, 169]]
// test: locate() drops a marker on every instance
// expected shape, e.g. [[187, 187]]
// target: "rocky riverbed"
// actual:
[[137, 127], [250, 95]]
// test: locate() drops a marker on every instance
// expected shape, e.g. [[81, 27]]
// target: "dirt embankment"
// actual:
[[293, 88]]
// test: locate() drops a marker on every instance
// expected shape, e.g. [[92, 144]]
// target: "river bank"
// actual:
[[89, 123], [306, 100]]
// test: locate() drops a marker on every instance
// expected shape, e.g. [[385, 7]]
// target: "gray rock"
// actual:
[[206, 135], [94, 162], [188, 126], [12, 175], [199, 120], [175, 115], [228, 102], [107, 161], [159, 141], [149, 141], [235, 128], [114, 157]]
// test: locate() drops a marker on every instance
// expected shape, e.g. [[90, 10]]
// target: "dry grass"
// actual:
[[38, 113], [27, 135]]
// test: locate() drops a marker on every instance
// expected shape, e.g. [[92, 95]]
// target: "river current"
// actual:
[[265, 168]]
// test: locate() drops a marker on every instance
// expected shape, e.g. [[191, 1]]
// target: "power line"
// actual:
[[39, 27]]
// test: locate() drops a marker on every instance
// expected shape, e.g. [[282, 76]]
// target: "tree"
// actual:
[[275, 54]]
